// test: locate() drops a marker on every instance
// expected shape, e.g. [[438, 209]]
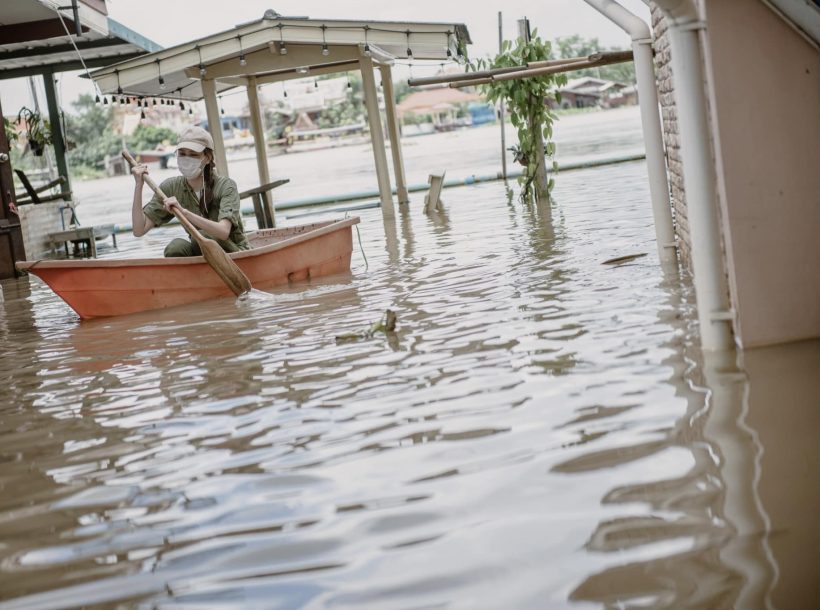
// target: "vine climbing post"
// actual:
[[526, 98], [541, 185]]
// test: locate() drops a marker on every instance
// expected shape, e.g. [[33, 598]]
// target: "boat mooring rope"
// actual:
[[361, 247]]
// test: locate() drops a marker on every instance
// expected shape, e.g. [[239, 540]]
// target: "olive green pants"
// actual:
[[184, 247]]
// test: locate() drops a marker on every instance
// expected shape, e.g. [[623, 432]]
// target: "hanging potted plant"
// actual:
[[37, 130]]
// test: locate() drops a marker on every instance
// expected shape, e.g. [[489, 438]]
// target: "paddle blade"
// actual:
[[228, 270]]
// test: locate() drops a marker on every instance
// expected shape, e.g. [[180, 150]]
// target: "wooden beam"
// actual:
[[615, 57], [606, 59], [264, 61], [452, 78], [336, 68], [258, 127], [377, 136], [393, 133], [215, 125], [379, 55], [35, 30], [56, 121]]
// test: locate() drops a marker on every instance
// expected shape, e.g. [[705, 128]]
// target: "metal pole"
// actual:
[[650, 122], [11, 236], [56, 130], [715, 315], [503, 108]]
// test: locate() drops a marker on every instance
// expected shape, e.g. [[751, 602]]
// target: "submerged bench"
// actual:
[[83, 238], [262, 203]]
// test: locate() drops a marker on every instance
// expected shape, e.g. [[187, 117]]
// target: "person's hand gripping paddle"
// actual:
[[214, 255]]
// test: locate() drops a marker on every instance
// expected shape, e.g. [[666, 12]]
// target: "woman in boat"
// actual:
[[209, 201]]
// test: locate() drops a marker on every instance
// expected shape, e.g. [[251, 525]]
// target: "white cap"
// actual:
[[195, 138]]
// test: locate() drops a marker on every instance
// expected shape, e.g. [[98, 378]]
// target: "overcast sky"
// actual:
[[170, 22]]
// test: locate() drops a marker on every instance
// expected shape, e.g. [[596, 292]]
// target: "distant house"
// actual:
[[588, 92], [628, 96], [307, 99], [233, 126], [440, 103]]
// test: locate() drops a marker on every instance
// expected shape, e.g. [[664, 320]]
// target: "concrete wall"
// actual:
[[763, 84], [36, 222], [764, 95]]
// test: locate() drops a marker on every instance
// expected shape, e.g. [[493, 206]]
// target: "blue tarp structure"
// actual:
[[481, 113]]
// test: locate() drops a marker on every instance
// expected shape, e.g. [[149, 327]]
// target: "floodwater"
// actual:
[[348, 169], [539, 432]]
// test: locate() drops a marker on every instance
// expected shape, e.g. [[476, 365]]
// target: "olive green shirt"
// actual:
[[224, 204]]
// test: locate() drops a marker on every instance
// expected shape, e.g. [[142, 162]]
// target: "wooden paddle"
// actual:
[[214, 255]]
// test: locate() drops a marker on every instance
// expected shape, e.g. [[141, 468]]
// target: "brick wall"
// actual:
[[36, 222], [663, 70]]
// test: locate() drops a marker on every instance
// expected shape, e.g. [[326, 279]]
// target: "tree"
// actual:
[[147, 137], [345, 112], [402, 90], [348, 111], [89, 134], [578, 46]]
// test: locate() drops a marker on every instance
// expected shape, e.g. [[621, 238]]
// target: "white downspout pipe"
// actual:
[[699, 179], [650, 121]]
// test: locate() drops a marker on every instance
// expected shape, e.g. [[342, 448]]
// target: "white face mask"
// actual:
[[190, 167]]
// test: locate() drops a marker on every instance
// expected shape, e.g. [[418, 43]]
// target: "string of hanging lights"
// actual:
[[283, 50]]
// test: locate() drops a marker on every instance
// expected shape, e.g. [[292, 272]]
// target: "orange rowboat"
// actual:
[[113, 287]]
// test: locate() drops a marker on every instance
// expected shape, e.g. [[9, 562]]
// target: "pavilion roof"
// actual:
[[278, 48]]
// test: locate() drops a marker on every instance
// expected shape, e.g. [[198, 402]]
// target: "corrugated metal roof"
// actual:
[[58, 54]]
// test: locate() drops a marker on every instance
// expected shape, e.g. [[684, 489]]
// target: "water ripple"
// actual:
[[528, 428]]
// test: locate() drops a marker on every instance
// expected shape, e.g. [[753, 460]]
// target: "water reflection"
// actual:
[[714, 521], [538, 433]]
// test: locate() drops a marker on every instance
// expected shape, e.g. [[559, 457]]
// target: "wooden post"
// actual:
[[393, 133], [371, 102], [215, 125], [56, 130], [259, 143], [432, 201], [11, 236], [541, 180]]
